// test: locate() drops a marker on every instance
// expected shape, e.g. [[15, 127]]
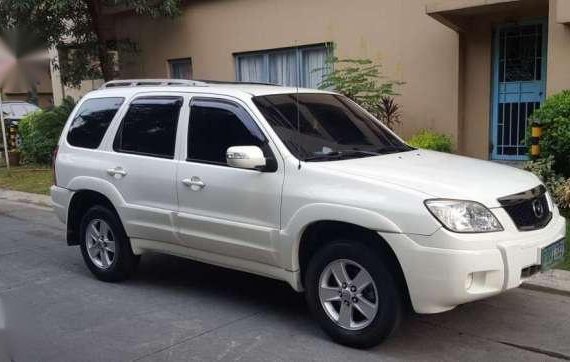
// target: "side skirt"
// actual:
[[140, 246]]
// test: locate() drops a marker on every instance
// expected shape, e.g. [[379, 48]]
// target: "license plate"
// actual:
[[552, 254]]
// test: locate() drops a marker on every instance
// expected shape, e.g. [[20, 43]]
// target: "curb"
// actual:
[[25, 197], [545, 289], [555, 281]]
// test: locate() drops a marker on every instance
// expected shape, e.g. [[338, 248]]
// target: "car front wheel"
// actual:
[[352, 295]]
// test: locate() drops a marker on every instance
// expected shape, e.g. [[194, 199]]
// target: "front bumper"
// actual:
[[446, 269]]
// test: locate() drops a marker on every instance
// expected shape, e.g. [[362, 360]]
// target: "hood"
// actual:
[[441, 175]]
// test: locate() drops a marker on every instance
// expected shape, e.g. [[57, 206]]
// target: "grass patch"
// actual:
[[33, 178]]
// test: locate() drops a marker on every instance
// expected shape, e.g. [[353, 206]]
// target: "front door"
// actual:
[[519, 84], [223, 210]]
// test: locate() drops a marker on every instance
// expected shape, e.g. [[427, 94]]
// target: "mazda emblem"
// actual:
[[538, 208]]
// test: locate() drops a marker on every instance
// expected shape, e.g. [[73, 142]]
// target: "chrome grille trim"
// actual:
[[522, 196], [529, 210]]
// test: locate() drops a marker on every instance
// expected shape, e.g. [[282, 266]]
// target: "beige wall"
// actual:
[[448, 81], [15, 86], [562, 10], [558, 48], [411, 46]]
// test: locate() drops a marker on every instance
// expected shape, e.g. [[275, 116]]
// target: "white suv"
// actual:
[[298, 185]]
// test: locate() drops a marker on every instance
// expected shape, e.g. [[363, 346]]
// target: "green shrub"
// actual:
[[40, 132], [557, 185], [554, 116], [430, 140]]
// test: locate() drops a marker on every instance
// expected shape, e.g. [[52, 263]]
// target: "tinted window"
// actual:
[[149, 127], [326, 126], [214, 127], [91, 121]]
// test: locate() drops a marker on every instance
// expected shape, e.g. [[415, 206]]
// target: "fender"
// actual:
[[290, 235], [101, 186]]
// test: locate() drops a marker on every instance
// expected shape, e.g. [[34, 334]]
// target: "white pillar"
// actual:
[[4, 133], [57, 86]]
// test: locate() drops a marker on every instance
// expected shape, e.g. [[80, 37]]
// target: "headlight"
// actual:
[[463, 216]]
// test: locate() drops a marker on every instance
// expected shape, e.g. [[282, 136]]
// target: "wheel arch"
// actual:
[[319, 233], [308, 215], [81, 201]]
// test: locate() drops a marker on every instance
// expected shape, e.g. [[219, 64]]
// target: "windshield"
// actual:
[[330, 127]]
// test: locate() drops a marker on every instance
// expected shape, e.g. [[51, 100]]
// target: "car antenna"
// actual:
[[297, 98]]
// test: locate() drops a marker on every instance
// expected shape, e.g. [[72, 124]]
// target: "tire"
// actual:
[[374, 298], [108, 253]]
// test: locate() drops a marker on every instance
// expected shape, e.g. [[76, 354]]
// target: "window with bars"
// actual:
[[520, 55], [300, 66]]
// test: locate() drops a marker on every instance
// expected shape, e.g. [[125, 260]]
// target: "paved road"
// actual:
[[175, 309]]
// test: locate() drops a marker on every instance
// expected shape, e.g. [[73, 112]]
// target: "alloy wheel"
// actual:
[[100, 242], [348, 294]]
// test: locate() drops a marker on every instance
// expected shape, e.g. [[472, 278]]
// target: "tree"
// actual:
[[77, 29]]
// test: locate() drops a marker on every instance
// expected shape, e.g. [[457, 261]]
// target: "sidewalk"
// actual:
[[25, 197], [553, 281]]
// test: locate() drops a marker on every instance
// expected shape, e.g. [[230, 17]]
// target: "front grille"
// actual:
[[529, 210]]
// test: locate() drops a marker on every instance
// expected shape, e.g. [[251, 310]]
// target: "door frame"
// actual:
[[495, 81]]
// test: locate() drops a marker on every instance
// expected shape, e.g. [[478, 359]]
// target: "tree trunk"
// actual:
[[95, 9]]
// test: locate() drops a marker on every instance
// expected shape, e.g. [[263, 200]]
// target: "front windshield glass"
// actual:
[[330, 127]]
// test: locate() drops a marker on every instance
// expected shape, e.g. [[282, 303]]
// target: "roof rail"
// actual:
[[152, 82], [238, 82]]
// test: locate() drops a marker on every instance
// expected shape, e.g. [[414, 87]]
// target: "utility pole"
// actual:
[[4, 134]]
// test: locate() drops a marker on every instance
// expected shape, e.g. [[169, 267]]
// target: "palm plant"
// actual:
[[389, 112]]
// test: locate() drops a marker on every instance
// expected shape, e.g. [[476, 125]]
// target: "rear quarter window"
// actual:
[[92, 120]]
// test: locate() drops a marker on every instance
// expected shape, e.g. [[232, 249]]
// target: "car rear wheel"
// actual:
[[352, 295], [105, 246]]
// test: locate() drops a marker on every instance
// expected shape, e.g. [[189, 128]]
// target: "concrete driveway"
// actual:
[[175, 309]]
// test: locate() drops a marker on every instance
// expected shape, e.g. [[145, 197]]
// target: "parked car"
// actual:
[[302, 186], [14, 111]]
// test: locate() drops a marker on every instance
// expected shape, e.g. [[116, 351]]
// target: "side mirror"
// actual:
[[248, 157]]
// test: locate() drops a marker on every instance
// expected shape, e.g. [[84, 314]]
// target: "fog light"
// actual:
[[469, 281]]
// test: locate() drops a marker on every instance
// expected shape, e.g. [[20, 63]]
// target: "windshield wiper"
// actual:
[[392, 149], [339, 155]]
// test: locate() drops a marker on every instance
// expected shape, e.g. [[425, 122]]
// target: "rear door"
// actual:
[[224, 210], [140, 163]]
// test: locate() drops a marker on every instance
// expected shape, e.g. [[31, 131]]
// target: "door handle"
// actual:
[[194, 183], [117, 172]]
